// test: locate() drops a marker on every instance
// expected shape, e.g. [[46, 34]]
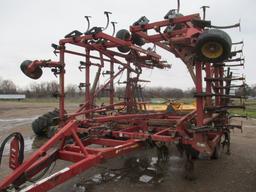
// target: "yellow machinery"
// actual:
[[170, 105]]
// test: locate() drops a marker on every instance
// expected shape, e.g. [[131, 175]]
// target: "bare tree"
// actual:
[[189, 93], [7, 86], [253, 93], [71, 91], [52, 87], [44, 89]]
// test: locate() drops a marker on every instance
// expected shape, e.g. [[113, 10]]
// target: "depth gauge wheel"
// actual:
[[124, 35], [36, 74], [136, 39]]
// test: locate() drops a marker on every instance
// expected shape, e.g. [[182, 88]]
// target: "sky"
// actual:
[[27, 29]]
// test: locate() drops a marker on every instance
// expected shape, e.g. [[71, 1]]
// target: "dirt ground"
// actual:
[[137, 171]]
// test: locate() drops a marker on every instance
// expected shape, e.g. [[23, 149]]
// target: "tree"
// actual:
[[7, 87], [244, 91], [189, 93], [253, 91], [71, 91], [44, 89]]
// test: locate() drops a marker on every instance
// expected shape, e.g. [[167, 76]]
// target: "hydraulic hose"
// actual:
[[20, 138]]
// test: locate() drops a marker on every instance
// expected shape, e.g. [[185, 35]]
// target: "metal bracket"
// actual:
[[55, 47], [123, 82], [81, 85], [74, 33], [56, 71], [106, 73]]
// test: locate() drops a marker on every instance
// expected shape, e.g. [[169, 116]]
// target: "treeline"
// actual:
[[49, 89], [249, 91], [159, 92], [37, 90]]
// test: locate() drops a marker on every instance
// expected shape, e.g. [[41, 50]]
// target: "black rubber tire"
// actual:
[[213, 35], [49, 117], [124, 35], [136, 39], [38, 127], [52, 115], [37, 73], [41, 125]]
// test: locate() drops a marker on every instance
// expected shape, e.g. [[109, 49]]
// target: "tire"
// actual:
[[213, 46], [50, 118], [41, 125], [136, 39], [124, 35], [38, 127], [36, 74]]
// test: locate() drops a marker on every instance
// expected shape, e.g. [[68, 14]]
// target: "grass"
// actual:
[[250, 110], [76, 100]]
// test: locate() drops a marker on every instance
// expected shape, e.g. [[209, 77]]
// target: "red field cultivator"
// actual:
[[95, 133]]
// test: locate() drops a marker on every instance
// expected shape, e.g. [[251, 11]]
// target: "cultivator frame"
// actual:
[[126, 125]]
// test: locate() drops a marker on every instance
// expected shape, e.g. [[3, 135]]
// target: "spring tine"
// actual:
[[87, 17], [114, 27], [107, 13]]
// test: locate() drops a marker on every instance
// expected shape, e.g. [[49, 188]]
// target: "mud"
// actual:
[[15, 122], [140, 171]]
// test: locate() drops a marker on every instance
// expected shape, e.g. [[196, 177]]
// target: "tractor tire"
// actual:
[[124, 35], [41, 125], [36, 74], [51, 116], [213, 46]]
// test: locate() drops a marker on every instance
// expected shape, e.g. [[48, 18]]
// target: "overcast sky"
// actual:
[[27, 29]]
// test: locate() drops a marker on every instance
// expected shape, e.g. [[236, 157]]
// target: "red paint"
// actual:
[[133, 128]]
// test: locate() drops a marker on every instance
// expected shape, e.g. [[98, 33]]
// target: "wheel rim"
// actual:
[[212, 50]]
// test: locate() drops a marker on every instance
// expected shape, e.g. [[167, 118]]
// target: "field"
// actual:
[[250, 110], [231, 173]]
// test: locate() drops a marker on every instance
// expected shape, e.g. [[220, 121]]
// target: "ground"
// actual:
[[138, 172]]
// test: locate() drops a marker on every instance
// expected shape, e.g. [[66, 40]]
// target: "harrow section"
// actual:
[[94, 133]]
